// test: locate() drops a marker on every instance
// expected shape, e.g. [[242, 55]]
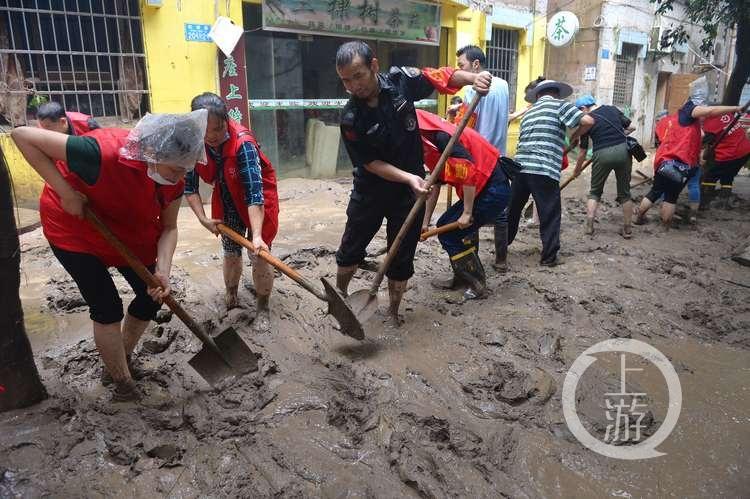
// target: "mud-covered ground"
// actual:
[[463, 401]]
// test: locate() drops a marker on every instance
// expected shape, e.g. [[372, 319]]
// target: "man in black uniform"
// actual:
[[379, 126]]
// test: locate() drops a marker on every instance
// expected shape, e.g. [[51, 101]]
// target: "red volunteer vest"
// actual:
[[124, 198], [735, 144], [79, 122], [458, 170], [237, 136], [677, 142]]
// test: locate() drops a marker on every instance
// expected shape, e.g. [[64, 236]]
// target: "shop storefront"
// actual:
[[295, 96]]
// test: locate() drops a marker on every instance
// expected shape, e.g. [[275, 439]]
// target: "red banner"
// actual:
[[233, 83]]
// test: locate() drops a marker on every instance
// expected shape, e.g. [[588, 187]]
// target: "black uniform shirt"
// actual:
[[388, 132]]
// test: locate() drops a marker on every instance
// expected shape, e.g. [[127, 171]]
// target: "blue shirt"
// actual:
[[248, 166], [492, 114]]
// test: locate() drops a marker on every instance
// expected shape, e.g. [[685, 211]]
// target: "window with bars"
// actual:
[[625, 75], [85, 54], [502, 59]]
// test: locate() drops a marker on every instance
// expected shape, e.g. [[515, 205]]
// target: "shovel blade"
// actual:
[[363, 304], [340, 310], [235, 359]]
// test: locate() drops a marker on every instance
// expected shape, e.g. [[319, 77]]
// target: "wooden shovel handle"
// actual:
[[438, 230], [272, 260], [573, 177], [644, 181], [419, 203], [145, 275]]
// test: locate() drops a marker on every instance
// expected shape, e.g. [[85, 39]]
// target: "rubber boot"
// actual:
[[469, 267], [725, 195], [708, 193], [501, 248], [449, 282]]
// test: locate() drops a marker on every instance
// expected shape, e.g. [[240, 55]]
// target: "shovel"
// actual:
[[530, 205], [438, 230], [337, 307], [527, 210], [221, 358], [364, 303]]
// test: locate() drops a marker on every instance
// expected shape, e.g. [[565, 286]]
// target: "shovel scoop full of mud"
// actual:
[[337, 306], [231, 358], [343, 312]]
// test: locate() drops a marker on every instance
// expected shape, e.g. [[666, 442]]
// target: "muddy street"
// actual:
[[464, 400]]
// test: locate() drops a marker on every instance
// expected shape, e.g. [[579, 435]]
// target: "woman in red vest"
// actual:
[[731, 154], [52, 116], [244, 198], [483, 190], [678, 154], [138, 199]]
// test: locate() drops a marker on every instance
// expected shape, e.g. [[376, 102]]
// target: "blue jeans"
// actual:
[[489, 207], [694, 186]]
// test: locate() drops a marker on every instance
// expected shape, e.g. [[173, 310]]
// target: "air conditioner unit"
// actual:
[[658, 33]]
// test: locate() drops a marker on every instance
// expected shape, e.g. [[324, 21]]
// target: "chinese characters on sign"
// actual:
[[403, 20], [561, 28], [197, 32], [623, 411], [233, 83], [627, 420]]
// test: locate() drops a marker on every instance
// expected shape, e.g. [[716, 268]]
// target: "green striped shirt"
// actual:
[[542, 137]]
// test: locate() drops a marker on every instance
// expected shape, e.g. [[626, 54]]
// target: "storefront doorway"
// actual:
[[294, 93]]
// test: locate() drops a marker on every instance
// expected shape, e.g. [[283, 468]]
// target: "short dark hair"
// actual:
[[456, 99], [212, 103], [50, 111], [347, 52], [472, 53], [534, 83]]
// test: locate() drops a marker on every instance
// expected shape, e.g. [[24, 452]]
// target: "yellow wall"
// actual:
[[26, 182], [530, 66], [470, 28], [178, 70]]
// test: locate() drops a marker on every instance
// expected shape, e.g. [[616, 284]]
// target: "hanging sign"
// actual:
[[233, 83], [400, 20], [561, 28]]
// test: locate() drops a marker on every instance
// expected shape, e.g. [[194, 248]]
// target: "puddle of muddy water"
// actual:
[[463, 401], [702, 453]]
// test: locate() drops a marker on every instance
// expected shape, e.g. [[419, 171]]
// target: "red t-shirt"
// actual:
[[735, 144]]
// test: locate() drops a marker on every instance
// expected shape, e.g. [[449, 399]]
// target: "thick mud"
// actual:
[[464, 400]]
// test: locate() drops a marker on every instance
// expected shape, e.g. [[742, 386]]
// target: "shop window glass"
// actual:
[[292, 82]]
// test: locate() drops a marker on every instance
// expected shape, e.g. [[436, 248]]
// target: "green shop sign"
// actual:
[[402, 20]]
